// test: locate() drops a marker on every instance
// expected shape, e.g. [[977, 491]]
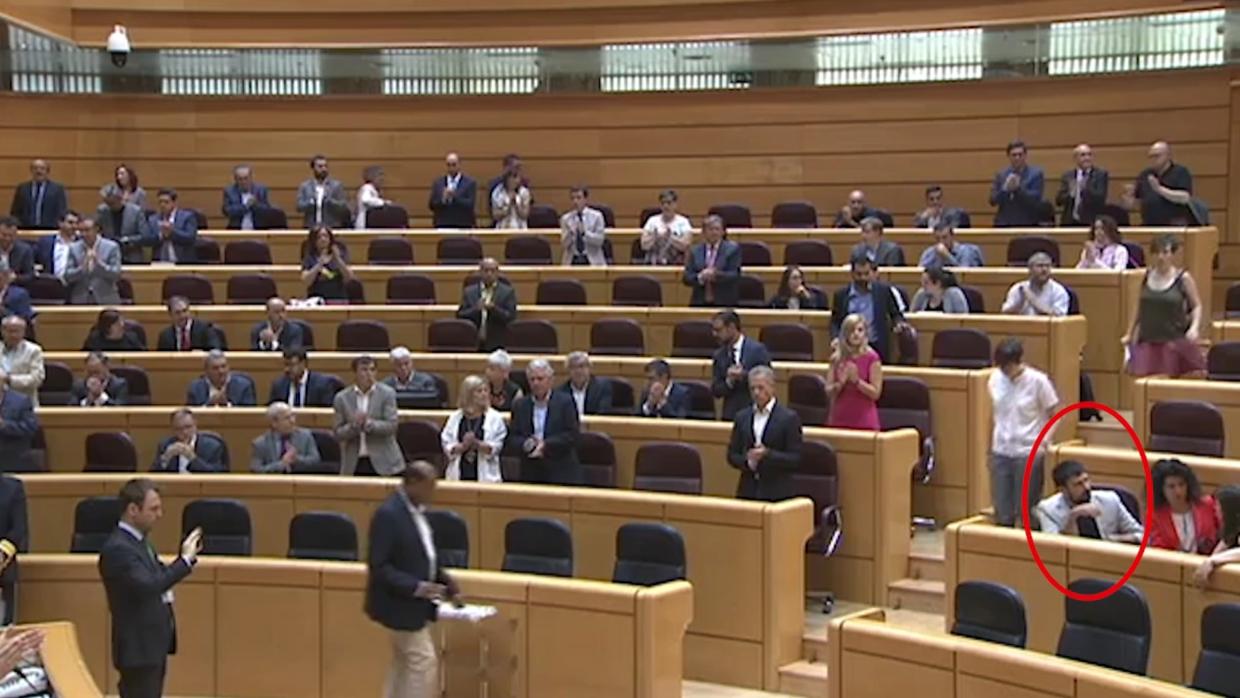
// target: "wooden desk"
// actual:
[[295, 629], [978, 550], [61, 657], [1225, 395]]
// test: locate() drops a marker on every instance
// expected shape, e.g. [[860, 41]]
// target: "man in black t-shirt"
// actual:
[[1162, 191]]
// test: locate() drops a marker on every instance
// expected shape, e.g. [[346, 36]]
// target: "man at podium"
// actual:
[[404, 581]]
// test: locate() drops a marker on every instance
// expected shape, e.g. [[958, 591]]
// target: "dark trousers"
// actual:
[[365, 468], [8, 592], [142, 682]]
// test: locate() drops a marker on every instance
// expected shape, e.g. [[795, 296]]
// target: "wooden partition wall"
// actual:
[[294, 629], [62, 659], [1122, 466], [871, 659], [1224, 395], [981, 551], [745, 559]]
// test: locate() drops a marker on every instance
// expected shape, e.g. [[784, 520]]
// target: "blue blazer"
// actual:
[[460, 212], [184, 235], [727, 284], [320, 390], [17, 302], [234, 210], [17, 430], [396, 563], [21, 261], [676, 407], [240, 391], [44, 250]]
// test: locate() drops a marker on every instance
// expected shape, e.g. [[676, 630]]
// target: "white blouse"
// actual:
[[367, 198], [507, 215]]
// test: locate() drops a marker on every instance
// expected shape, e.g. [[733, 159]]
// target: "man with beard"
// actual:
[[1079, 510]]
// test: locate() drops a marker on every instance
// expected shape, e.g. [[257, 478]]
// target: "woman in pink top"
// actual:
[[1105, 247], [856, 378]]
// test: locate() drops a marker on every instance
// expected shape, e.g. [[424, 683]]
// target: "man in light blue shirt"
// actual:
[[946, 252]]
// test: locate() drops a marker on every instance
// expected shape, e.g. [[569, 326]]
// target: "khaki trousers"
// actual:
[[415, 668]]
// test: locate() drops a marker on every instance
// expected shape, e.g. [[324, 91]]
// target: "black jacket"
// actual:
[[736, 396], [886, 315], [290, 337], [201, 337], [211, 452], [598, 395], [396, 563], [14, 525], [460, 212], [675, 407], [498, 318], [143, 626], [117, 390], [559, 464], [1093, 198], [55, 203], [320, 390], [772, 481]]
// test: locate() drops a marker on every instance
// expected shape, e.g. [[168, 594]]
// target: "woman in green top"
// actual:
[[1163, 338]]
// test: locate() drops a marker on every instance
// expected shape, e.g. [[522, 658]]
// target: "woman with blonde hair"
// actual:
[[855, 380], [474, 434]]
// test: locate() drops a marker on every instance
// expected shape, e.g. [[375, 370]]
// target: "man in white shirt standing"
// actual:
[[766, 442], [1040, 294], [366, 421], [21, 360], [1024, 401], [591, 395], [52, 252], [453, 197], [1079, 510]]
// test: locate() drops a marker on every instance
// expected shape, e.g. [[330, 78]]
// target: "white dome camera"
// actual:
[[118, 46]]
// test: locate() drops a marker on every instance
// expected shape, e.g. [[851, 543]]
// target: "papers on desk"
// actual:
[[469, 613]]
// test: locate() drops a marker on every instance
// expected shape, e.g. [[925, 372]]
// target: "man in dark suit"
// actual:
[[18, 425], [244, 200], [276, 333], [39, 203], [662, 397], [220, 387], [491, 304], [186, 333], [713, 268], [51, 252], [299, 386], [14, 540], [453, 196], [187, 451], [737, 354], [18, 255], [99, 388], [14, 300], [591, 395], [766, 442], [545, 429], [1082, 189], [873, 300], [124, 222], [139, 588], [172, 231], [404, 580], [884, 252]]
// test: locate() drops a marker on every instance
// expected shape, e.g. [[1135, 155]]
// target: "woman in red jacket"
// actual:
[[1184, 519]]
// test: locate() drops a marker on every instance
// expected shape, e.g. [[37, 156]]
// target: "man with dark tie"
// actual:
[[1078, 509], [220, 387], [39, 203], [582, 232], [139, 590], [94, 267], [1082, 189], [186, 333], [299, 386], [545, 429], [713, 268], [453, 196], [245, 200], [1017, 189], [276, 333], [730, 366], [590, 394], [766, 442], [285, 447], [662, 396], [491, 304], [172, 231], [187, 450], [15, 253], [51, 252]]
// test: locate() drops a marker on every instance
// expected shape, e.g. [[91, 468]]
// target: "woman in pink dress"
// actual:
[[856, 378]]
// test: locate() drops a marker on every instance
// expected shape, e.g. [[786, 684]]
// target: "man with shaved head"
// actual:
[[1082, 189], [1163, 190], [245, 201], [40, 202], [453, 195], [857, 210]]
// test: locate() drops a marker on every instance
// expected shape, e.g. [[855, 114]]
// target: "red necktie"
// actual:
[[185, 338]]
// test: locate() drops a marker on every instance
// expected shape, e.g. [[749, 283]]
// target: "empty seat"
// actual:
[[960, 347], [390, 216], [139, 384], [560, 292], [666, 466], [755, 254], [617, 337], [623, 397], [609, 214], [270, 218], [991, 612], [751, 292], [532, 337], [196, 287], [410, 289], [110, 452], [597, 454], [47, 290], [543, 216], [329, 455], [808, 253], [225, 526], [1218, 665], [419, 440], [389, 250], [538, 546], [644, 291], [94, 519], [1189, 427], [694, 339], [1022, 247], [905, 404], [251, 289], [1223, 361], [818, 478], [459, 250], [322, 535], [733, 215], [907, 347], [452, 335], [1113, 632], [362, 335], [124, 287], [701, 399], [975, 299], [788, 341], [57, 384], [1232, 306], [247, 252], [527, 249], [451, 537], [794, 214], [203, 224], [206, 250], [355, 292], [648, 554], [807, 396], [35, 460]]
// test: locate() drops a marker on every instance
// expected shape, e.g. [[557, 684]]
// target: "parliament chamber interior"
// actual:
[[609, 349]]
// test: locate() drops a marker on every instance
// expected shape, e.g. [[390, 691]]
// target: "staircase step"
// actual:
[[1105, 433], [803, 679], [927, 566], [814, 646], [917, 595]]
